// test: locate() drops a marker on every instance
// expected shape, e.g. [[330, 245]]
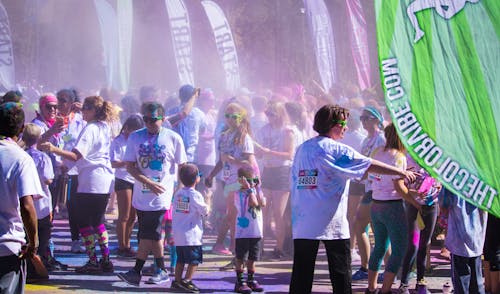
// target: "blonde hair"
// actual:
[[31, 134], [104, 110], [243, 127]]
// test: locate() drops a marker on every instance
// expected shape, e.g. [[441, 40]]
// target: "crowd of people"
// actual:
[[282, 165]]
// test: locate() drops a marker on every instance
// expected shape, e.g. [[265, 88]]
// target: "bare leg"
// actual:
[[191, 269], [362, 220]]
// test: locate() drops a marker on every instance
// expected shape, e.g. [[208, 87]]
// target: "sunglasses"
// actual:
[[232, 115], [343, 123], [50, 106], [256, 181], [366, 117], [151, 120]]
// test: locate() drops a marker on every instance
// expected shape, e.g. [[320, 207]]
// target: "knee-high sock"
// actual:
[[102, 238], [88, 239], [173, 256]]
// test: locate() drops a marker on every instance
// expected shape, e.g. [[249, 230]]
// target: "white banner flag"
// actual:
[[125, 25], [181, 40], [225, 44], [109, 35], [359, 43], [324, 45], [7, 70]]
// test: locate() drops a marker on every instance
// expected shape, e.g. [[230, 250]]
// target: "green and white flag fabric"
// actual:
[[440, 70]]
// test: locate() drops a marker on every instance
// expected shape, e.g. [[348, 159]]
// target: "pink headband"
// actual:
[[47, 99]]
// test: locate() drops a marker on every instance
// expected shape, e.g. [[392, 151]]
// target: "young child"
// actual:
[[249, 229], [43, 205], [188, 211]]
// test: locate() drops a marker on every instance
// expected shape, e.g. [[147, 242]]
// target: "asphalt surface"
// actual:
[[273, 274]]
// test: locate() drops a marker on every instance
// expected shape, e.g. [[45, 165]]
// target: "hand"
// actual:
[[156, 188], [244, 183], [28, 251], [77, 106], [209, 182], [45, 147], [410, 175]]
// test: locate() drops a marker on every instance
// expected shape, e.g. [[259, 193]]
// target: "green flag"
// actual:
[[440, 71]]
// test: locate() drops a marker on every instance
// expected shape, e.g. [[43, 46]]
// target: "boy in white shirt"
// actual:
[[189, 208], [153, 154]]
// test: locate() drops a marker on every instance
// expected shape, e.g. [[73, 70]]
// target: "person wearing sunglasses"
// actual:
[[95, 176], [278, 147], [320, 176], [372, 121], [47, 119], [152, 155], [235, 148]]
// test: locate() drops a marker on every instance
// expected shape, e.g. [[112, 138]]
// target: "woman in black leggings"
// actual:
[[424, 228]]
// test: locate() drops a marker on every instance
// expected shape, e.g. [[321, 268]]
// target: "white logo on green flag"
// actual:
[[440, 70]]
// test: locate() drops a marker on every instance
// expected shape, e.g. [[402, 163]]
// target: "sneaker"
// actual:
[[255, 286], [131, 277], [106, 265], [126, 252], [189, 286], [76, 247], [421, 287], [55, 265], [89, 268], [376, 291], [360, 275], [403, 289], [221, 250], [160, 277], [242, 287]]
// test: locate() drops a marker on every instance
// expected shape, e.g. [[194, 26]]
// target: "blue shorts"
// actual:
[[189, 254]]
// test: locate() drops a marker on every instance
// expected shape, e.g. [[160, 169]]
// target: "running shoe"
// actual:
[[131, 277], [160, 277]]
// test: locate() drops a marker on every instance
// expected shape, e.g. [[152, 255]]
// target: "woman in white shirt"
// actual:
[[95, 176]]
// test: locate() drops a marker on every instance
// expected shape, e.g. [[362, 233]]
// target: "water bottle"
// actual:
[[447, 288]]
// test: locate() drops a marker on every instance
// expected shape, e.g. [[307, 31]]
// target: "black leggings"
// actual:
[[338, 253], [91, 209], [429, 216]]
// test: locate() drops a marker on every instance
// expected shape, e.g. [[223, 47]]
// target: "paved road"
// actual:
[[274, 275]]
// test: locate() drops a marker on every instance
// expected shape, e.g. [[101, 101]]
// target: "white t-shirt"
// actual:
[[118, 147], [188, 211], [95, 174], [320, 183], [249, 223], [157, 157], [18, 178], [43, 204], [369, 145], [227, 146], [383, 185]]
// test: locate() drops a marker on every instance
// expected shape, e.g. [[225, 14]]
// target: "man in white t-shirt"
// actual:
[[17, 187], [153, 154], [320, 176]]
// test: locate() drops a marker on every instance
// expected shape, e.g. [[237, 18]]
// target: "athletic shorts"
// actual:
[[189, 254], [150, 224], [248, 248]]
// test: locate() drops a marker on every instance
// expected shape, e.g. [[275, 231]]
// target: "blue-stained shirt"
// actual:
[[466, 226], [320, 176], [189, 129]]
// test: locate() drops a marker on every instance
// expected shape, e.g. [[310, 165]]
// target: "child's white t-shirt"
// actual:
[[188, 210], [249, 223]]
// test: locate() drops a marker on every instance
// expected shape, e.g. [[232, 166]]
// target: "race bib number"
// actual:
[[226, 172], [182, 204], [145, 188], [308, 179]]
